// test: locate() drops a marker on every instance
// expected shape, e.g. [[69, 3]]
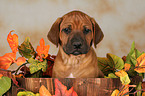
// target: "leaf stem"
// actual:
[[120, 90], [20, 67], [137, 91], [20, 89]]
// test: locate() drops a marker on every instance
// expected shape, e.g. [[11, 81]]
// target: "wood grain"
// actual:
[[83, 86]]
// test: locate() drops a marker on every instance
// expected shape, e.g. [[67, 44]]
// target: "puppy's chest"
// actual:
[[72, 66], [71, 76], [72, 61]]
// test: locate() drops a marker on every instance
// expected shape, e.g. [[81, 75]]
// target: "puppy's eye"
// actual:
[[66, 30], [86, 31]]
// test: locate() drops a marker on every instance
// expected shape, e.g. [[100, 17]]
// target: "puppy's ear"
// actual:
[[53, 34], [98, 34]]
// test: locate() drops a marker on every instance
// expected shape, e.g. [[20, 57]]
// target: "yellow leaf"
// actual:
[[121, 73], [43, 91], [20, 61], [123, 77], [7, 60], [115, 93], [42, 50], [127, 66], [125, 90], [140, 65], [13, 41]]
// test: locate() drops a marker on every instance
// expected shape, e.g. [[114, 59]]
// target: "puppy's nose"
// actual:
[[77, 45]]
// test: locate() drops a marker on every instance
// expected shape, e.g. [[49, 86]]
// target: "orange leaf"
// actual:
[[143, 94], [127, 66], [140, 64], [7, 60], [42, 49], [61, 90], [125, 90], [1, 76], [143, 86], [13, 41], [20, 61], [18, 76], [43, 91], [121, 73], [122, 92]]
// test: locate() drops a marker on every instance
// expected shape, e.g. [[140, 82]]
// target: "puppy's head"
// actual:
[[75, 32]]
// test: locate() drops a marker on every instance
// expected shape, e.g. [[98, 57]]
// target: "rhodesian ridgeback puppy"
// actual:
[[75, 33]]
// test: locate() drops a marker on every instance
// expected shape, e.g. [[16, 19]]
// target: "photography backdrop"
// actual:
[[122, 22]]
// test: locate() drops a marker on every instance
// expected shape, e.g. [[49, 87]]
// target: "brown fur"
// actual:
[[83, 65]]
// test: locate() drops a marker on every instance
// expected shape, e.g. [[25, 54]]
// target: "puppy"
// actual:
[[75, 33]]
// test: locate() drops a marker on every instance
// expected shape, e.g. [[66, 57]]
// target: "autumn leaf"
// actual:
[[143, 85], [127, 67], [140, 64], [18, 76], [5, 84], [132, 55], [13, 41], [50, 62], [48, 72], [104, 65], [7, 60], [121, 73], [27, 93], [115, 92], [42, 49], [124, 78], [124, 91], [36, 65], [1, 76], [111, 75], [110, 64], [143, 94], [117, 62], [61, 90], [132, 59], [43, 91], [139, 87], [26, 49], [20, 61]]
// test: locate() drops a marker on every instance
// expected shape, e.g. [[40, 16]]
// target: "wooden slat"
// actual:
[[83, 86]]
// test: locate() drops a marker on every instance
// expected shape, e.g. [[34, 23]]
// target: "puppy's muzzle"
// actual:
[[76, 45]]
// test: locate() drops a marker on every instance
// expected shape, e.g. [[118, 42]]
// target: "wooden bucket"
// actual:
[[82, 86]]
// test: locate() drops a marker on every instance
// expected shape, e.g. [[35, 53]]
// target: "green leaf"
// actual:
[[36, 65], [132, 58], [111, 75], [5, 84], [139, 88], [27, 93], [138, 53], [129, 56], [125, 79], [26, 48], [133, 55], [117, 62], [104, 65], [110, 64]]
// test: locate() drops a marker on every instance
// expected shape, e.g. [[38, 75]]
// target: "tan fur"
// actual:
[[83, 66], [80, 66]]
